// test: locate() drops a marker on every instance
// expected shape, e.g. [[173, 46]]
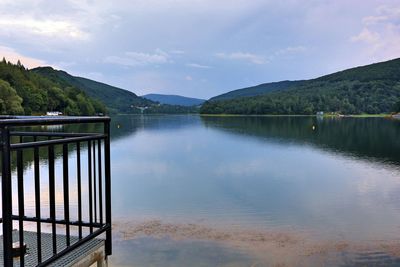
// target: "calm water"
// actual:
[[341, 179], [332, 179]]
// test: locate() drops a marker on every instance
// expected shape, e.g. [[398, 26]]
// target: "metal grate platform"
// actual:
[[72, 258]]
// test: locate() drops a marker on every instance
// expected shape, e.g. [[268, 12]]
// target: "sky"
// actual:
[[198, 48]]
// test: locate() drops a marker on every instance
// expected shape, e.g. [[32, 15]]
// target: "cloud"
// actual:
[[198, 66], [13, 56], [47, 28], [134, 59], [188, 78], [249, 57], [371, 20], [291, 50], [368, 36], [381, 33]]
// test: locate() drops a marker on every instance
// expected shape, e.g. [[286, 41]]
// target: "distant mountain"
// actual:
[[174, 99], [368, 89], [116, 99], [258, 90]]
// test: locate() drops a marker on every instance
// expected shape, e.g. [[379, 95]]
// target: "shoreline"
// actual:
[[266, 115], [300, 115]]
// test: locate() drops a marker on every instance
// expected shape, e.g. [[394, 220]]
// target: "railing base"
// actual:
[[85, 255]]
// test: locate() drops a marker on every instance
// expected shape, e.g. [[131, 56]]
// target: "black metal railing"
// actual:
[[64, 156]]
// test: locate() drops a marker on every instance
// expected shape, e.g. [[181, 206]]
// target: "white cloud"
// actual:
[[291, 50], [243, 56], [13, 56], [48, 28], [371, 20], [381, 33], [198, 66], [135, 59], [366, 35]]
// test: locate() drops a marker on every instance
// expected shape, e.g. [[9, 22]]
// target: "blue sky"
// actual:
[[198, 48]]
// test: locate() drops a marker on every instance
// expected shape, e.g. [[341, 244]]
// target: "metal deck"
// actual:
[[88, 253]]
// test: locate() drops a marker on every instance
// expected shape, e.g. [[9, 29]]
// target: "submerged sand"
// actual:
[[277, 248]]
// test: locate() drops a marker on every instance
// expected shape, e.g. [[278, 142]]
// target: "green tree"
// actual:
[[397, 107], [10, 102]]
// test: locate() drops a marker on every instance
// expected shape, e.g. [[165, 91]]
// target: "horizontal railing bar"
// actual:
[[29, 120], [48, 220], [75, 245], [27, 137], [55, 134], [56, 141]]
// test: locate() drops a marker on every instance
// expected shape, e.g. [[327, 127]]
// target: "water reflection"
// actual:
[[374, 138], [340, 180], [126, 125], [261, 172]]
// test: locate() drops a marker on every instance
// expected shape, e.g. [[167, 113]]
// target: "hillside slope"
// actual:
[[26, 92], [369, 89], [116, 99], [257, 90], [174, 99]]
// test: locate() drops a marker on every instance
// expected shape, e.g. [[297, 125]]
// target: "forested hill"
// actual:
[[116, 99], [26, 92], [257, 90], [174, 100], [369, 89]]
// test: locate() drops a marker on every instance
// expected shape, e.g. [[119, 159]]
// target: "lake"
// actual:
[[255, 191], [333, 182]]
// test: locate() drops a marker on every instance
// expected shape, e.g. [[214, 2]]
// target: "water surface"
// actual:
[[332, 179], [340, 179], [249, 191]]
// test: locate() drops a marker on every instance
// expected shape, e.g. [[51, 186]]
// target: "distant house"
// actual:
[[396, 116], [320, 113], [53, 113], [142, 109]]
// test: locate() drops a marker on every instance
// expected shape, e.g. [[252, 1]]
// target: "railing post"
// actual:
[[107, 181], [7, 149], [6, 197]]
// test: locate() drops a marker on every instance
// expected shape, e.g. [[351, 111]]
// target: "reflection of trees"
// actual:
[[362, 137], [124, 125]]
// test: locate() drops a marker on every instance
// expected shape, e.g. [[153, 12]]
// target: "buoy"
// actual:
[[118, 126], [313, 127]]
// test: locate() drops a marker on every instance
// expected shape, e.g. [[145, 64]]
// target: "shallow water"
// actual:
[[252, 191], [166, 252]]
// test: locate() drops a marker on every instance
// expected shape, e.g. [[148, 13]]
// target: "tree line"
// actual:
[[23, 92], [370, 89], [344, 97]]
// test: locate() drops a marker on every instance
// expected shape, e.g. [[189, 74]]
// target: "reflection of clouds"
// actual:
[[143, 167], [370, 177], [244, 168], [377, 186], [278, 161], [312, 187], [150, 143], [29, 189]]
